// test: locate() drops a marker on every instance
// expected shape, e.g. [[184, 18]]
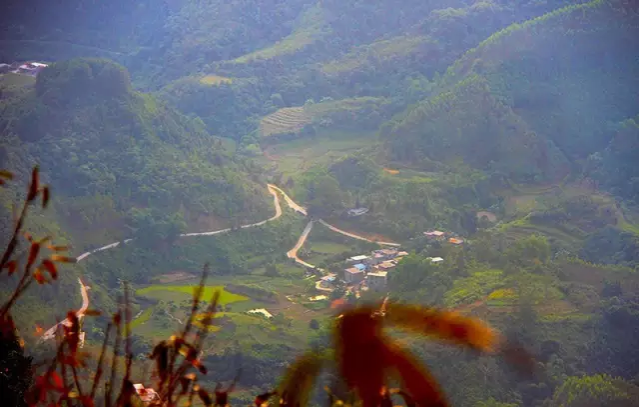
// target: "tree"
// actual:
[[272, 270], [530, 251], [313, 324], [595, 391]]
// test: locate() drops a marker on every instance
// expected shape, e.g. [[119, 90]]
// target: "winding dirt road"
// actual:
[[292, 254], [354, 236], [273, 190], [50, 333], [291, 203]]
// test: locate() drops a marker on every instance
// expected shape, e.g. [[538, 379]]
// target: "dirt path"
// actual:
[[291, 203], [292, 254], [273, 190], [50, 333], [354, 236]]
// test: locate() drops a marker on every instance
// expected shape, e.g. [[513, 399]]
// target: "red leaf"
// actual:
[[63, 259], [92, 313], [39, 277], [56, 380], [51, 268], [58, 248], [12, 266], [418, 381], [33, 253]]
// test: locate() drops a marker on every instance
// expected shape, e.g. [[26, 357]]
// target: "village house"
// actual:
[[356, 212], [455, 241], [357, 259], [377, 281], [353, 275], [435, 259], [435, 234], [327, 281], [381, 255], [387, 265], [360, 266]]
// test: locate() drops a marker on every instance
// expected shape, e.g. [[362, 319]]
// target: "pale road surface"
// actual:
[[288, 200], [273, 190], [292, 254], [354, 236], [50, 333]]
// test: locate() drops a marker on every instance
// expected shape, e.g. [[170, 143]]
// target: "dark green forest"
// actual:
[[512, 126]]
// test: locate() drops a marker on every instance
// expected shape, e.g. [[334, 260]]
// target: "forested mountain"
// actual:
[[113, 154], [511, 126]]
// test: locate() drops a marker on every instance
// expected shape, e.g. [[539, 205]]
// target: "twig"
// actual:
[[116, 347], [98, 374]]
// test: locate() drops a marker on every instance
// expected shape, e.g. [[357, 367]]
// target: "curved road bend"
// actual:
[[289, 201], [50, 333], [292, 254], [273, 189]]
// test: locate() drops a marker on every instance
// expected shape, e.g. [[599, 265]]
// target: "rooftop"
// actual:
[[360, 266], [358, 258], [353, 270], [435, 259], [387, 265], [380, 274], [261, 311], [454, 240], [435, 233]]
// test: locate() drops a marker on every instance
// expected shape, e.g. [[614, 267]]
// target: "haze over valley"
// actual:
[[477, 156]]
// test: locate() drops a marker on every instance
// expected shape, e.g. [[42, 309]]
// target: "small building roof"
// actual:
[[386, 265], [361, 257], [360, 266], [261, 311], [435, 233], [353, 270], [328, 278], [455, 240], [318, 298], [435, 259], [380, 274], [401, 254], [39, 64]]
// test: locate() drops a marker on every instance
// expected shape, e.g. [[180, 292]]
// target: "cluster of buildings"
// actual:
[[438, 235], [371, 271], [26, 68], [368, 271]]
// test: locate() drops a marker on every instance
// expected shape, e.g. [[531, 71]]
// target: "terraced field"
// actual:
[[311, 26], [285, 120], [215, 80], [387, 51]]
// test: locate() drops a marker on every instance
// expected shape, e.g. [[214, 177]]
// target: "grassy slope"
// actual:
[[310, 28]]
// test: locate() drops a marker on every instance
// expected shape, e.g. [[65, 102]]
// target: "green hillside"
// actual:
[[120, 163]]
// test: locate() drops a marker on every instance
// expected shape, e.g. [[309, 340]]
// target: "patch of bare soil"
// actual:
[[489, 215]]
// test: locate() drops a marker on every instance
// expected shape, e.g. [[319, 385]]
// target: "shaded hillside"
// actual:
[[108, 150], [557, 80], [468, 123]]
